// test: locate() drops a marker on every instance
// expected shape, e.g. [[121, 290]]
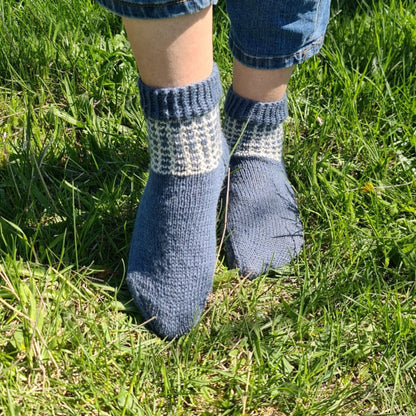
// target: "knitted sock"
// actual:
[[173, 250], [263, 225]]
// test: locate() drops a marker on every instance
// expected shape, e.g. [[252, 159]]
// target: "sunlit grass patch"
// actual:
[[334, 334]]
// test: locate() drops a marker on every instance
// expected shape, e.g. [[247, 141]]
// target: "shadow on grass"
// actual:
[[78, 209], [352, 8]]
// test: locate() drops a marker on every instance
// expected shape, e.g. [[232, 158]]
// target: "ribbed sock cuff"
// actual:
[[243, 109], [181, 103]]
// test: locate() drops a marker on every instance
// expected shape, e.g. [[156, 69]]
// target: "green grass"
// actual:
[[335, 335]]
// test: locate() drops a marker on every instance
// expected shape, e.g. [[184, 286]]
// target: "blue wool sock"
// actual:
[[263, 225], [173, 250]]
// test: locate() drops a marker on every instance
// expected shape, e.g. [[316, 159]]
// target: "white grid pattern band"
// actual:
[[253, 140], [185, 147]]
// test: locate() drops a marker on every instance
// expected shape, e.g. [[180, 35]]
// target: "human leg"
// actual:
[[172, 253], [263, 224], [262, 85], [172, 52]]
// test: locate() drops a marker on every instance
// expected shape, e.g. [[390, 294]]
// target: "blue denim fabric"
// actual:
[[274, 34], [155, 9], [265, 34]]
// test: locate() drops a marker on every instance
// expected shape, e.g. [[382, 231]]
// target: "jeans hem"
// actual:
[[277, 62], [153, 10]]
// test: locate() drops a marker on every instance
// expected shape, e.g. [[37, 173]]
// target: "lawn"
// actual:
[[334, 334]]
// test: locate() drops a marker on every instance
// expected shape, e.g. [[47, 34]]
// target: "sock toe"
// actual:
[[265, 231], [163, 314]]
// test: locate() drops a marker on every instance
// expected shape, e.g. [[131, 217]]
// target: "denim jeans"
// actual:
[[265, 34]]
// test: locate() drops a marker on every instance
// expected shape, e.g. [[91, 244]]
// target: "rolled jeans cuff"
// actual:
[[151, 9]]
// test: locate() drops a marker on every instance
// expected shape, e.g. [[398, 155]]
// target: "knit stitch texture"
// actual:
[[173, 250], [264, 230]]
